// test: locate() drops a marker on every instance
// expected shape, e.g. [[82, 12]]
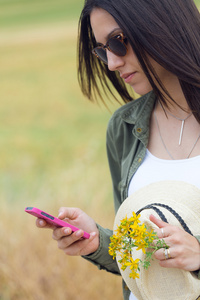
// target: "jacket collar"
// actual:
[[138, 113], [138, 107]]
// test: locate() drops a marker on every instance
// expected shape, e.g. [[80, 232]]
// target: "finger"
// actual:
[[59, 233], [172, 260], [169, 263], [157, 221], [41, 223], [167, 260], [160, 232], [74, 244], [164, 254], [163, 232], [70, 241], [67, 213]]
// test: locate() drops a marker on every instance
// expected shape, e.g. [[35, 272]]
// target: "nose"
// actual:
[[114, 61]]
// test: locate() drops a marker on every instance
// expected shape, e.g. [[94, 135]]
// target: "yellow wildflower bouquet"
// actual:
[[131, 234]]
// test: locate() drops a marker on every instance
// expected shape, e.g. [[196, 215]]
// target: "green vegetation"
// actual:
[[26, 12]]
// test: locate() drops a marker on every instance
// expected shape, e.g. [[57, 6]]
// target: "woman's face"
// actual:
[[104, 25]]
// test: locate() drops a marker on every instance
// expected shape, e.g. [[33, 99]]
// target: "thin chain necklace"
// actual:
[[164, 142], [182, 123]]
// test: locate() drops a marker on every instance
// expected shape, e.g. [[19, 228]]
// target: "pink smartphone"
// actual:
[[52, 220]]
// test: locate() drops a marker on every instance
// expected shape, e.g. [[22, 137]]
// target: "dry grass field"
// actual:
[[52, 154]]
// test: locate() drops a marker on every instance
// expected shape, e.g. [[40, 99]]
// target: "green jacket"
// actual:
[[127, 140]]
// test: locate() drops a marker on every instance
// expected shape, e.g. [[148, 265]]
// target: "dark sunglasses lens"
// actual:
[[117, 47], [101, 53]]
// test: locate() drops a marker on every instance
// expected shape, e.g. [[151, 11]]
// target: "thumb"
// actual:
[[157, 221], [67, 213]]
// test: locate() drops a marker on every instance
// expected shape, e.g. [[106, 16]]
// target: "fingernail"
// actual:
[[41, 223], [93, 234], [60, 214], [79, 233], [67, 231]]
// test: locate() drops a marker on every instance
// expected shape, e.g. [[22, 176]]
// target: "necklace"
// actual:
[[181, 137], [182, 124]]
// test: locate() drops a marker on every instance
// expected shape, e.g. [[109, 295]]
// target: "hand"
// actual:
[[73, 243], [184, 249]]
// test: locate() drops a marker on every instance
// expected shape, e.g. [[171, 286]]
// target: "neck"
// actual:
[[175, 110], [178, 106]]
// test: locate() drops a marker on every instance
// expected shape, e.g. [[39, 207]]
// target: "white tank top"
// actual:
[[154, 169]]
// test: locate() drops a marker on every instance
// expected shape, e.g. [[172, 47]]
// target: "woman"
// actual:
[[152, 46]]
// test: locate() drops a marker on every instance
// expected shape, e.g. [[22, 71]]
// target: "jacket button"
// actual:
[[139, 160], [139, 130]]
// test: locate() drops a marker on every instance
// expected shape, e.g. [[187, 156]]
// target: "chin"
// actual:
[[142, 92], [142, 88]]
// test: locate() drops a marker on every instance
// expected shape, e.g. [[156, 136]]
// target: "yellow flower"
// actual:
[[141, 231], [134, 264], [142, 245], [134, 275], [135, 218], [129, 235], [151, 236], [124, 226], [134, 229], [125, 257]]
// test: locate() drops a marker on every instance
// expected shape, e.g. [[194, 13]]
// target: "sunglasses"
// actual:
[[116, 44]]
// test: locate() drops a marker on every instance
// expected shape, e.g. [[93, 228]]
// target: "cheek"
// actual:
[[131, 55], [141, 85]]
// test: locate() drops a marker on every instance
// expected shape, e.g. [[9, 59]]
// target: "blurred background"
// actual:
[[52, 153]]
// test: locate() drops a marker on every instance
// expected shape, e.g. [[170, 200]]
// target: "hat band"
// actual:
[[162, 216]]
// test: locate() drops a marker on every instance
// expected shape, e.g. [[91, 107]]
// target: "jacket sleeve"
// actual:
[[101, 257], [197, 273], [115, 153]]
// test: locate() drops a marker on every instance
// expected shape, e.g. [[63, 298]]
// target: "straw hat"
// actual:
[[159, 283]]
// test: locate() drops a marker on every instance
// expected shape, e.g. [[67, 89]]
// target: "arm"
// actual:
[[95, 249], [101, 258]]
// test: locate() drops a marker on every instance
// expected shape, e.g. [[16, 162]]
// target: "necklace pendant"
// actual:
[[181, 132]]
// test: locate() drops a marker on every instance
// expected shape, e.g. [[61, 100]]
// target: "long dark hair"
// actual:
[[167, 30]]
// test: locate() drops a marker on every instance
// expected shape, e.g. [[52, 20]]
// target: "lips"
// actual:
[[128, 76]]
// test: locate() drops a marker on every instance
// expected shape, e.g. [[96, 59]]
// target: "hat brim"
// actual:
[[159, 283]]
